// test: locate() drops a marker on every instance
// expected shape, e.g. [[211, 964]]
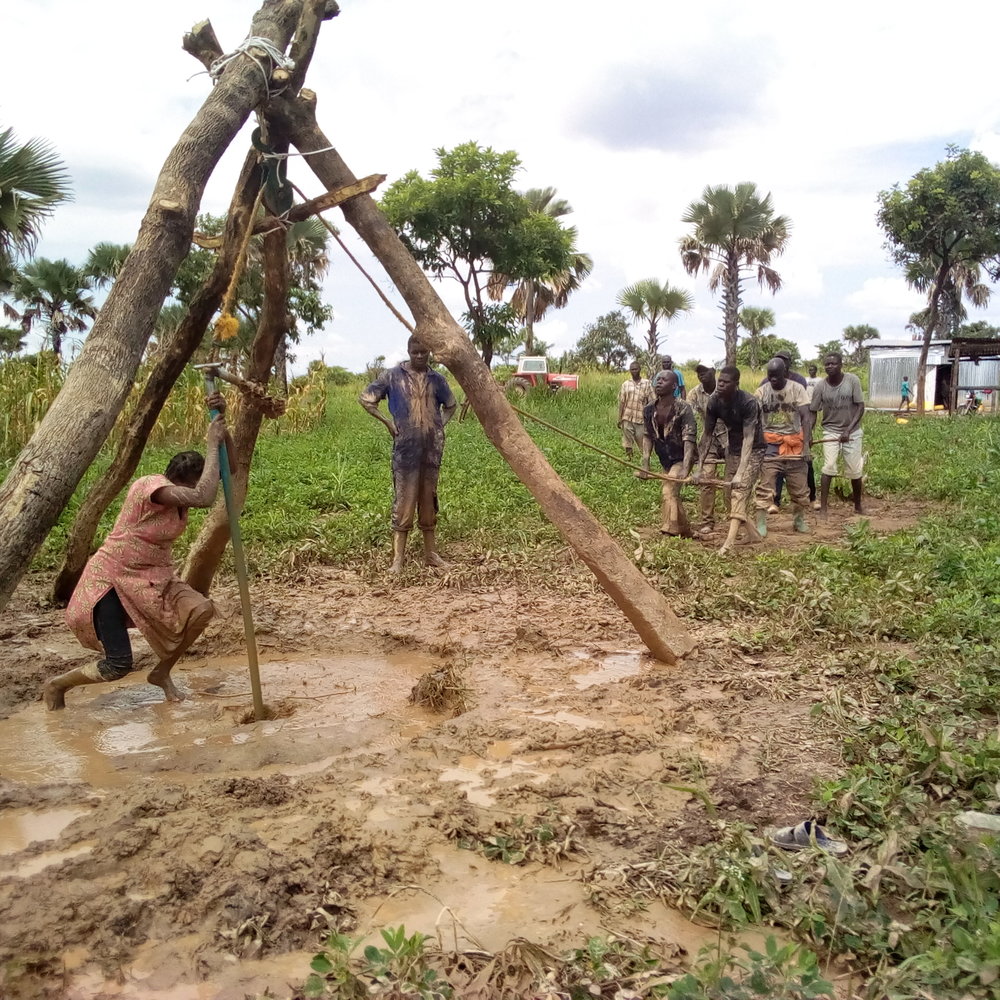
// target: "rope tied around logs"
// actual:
[[276, 59]]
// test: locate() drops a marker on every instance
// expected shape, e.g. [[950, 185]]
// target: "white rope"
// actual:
[[273, 53], [284, 156]]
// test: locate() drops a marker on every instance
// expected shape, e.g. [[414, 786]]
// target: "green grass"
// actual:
[[910, 622]]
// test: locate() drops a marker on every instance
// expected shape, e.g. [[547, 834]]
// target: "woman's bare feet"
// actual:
[[161, 678]]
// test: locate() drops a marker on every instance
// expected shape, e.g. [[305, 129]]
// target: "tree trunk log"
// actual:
[[658, 627], [176, 353], [206, 552], [50, 466], [925, 346]]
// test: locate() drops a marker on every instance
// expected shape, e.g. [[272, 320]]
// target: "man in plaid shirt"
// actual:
[[633, 397]]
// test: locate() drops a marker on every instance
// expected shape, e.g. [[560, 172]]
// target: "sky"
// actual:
[[628, 109]]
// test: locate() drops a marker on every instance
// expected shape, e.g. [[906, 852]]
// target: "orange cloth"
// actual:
[[789, 445]]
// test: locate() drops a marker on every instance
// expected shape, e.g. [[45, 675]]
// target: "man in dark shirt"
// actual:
[[740, 412], [671, 432]]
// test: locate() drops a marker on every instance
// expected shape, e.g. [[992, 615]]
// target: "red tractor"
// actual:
[[535, 371]]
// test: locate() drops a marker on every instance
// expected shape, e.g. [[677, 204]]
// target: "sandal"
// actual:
[[807, 834]]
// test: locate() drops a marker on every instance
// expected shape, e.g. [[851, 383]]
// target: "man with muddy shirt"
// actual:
[[838, 397], [787, 423], [698, 398], [740, 412], [420, 404], [671, 432]]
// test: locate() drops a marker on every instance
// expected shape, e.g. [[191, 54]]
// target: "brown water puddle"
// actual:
[[21, 827], [612, 667], [112, 735], [514, 901]]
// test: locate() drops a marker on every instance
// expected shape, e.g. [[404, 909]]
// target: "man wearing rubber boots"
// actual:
[[787, 422], [420, 404]]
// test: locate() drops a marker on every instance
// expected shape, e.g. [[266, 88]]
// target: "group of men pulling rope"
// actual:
[[761, 440]]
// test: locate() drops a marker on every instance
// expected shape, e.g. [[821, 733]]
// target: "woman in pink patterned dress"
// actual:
[[130, 581]]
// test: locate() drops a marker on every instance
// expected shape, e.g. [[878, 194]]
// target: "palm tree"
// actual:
[[104, 262], [734, 231], [532, 297], [33, 181], [650, 302], [961, 281], [856, 335], [54, 294], [755, 321]]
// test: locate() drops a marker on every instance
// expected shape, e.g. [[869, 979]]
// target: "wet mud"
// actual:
[[177, 851]]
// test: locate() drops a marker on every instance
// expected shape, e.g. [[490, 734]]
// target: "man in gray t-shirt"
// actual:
[[838, 397]]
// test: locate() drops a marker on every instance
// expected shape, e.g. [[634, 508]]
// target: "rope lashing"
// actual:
[[227, 325], [284, 156], [277, 59]]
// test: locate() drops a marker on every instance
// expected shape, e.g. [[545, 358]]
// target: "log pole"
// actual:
[[658, 627]]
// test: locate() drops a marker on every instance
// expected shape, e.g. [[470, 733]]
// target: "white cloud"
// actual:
[[628, 112]]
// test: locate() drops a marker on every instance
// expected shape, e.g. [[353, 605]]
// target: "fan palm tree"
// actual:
[[734, 231], [533, 297], [33, 181], [755, 321], [650, 302], [53, 294], [960, 282], [104, 262]]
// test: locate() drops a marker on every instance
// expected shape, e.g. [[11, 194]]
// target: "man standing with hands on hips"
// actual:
[[420, 404]]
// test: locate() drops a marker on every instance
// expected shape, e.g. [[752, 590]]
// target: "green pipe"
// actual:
[[240, 563]]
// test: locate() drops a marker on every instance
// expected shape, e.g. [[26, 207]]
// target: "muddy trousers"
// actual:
[[111, 626], [673, 519], [779, 483], [796, 478], [415, 493], [707, 494], [741, 500]]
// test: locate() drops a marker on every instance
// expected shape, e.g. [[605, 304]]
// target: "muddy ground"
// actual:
[[179, 851]]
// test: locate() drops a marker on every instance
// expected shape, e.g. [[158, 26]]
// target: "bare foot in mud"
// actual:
[[433, 560], [162, 680], [53, 696]]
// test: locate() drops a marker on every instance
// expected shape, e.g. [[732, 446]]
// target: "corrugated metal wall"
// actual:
[[885, 375], [985, 375]]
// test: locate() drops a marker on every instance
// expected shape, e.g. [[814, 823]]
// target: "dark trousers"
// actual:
[[779, 484], [111, 626]]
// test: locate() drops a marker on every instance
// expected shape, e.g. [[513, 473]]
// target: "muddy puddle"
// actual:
[[112, 735], [220, 850]]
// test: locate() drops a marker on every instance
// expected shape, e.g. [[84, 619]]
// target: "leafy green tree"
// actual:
[[830, 347], [466, 222], [767, 348], [307, 247], [652, 303], [856, 337], [606, 343], [11, 340], [533, 297], [53, 295], [755, 321], [944, 222], [980, 328], [734, 233], [33, 181]]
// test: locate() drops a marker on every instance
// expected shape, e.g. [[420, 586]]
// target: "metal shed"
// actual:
[[977, 363]]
